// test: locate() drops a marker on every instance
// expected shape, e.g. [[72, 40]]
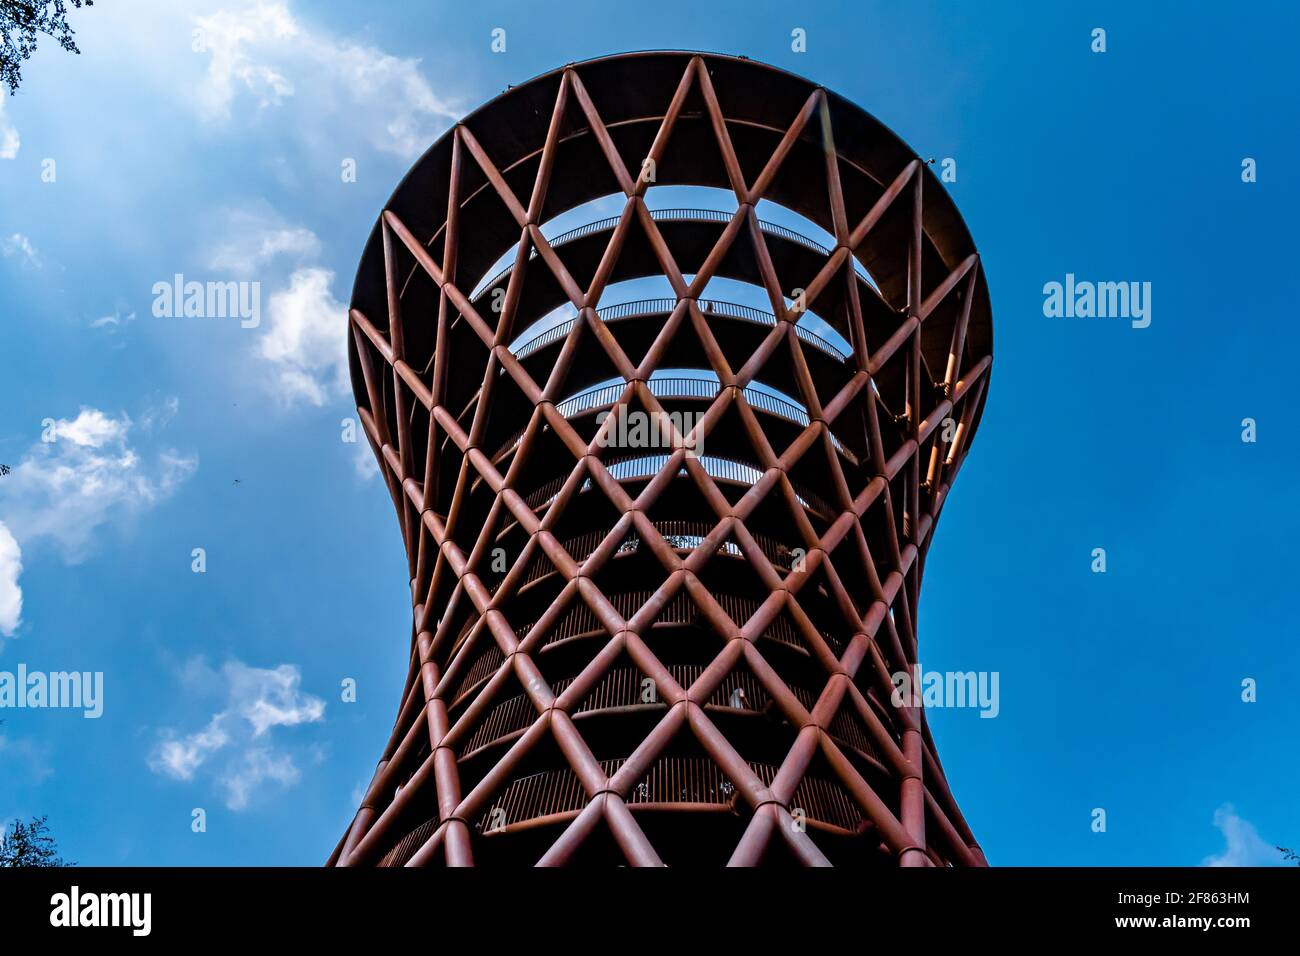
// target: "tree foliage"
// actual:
[[22, 22], [30, 844]]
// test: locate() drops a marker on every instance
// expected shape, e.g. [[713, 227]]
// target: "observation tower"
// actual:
[[666, 472]]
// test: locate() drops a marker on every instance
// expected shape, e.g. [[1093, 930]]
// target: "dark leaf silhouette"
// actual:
[[30, 844], [21, 24]]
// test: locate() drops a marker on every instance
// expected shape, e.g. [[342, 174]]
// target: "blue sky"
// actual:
[[1119, 691]]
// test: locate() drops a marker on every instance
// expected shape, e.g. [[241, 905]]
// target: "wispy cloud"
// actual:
[[9, 141], [17, 246], [305, 341], [180, 757], [11, 595], [64, 489], [305, 333], [1243, 844], [91, 429], [159, 415], [262, 54], [363, 460], [238, 737], [254, 237], [235, 39], [115, 320], [86, 475]]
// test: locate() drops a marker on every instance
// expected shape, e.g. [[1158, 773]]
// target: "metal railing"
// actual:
[[527, 343], [666, 215], [622, 688], [685, 782], [581, 621], [680, 535], [722, 469], [703, 388]]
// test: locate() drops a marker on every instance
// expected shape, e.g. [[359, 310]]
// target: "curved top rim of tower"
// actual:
[[862, 141], [876, 128]]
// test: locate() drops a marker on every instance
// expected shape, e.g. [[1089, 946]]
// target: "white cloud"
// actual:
[[257, 700], [63, 491], [11, 595], [1244, 846], [179, 758], [20, 247], [268, 698], [264, 54], [363, 460], [411, 114], [255, 237], [306, 339], [227, 35], [160, 415], [9, 141], [119, 317], [92, 428], [246, 776]]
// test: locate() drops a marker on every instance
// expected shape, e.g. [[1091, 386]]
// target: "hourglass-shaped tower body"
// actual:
[[667, 472]]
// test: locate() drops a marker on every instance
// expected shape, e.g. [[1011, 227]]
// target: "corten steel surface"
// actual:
[[657, 655]]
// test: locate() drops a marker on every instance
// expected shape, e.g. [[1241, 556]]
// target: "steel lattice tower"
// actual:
[[683, 654]]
